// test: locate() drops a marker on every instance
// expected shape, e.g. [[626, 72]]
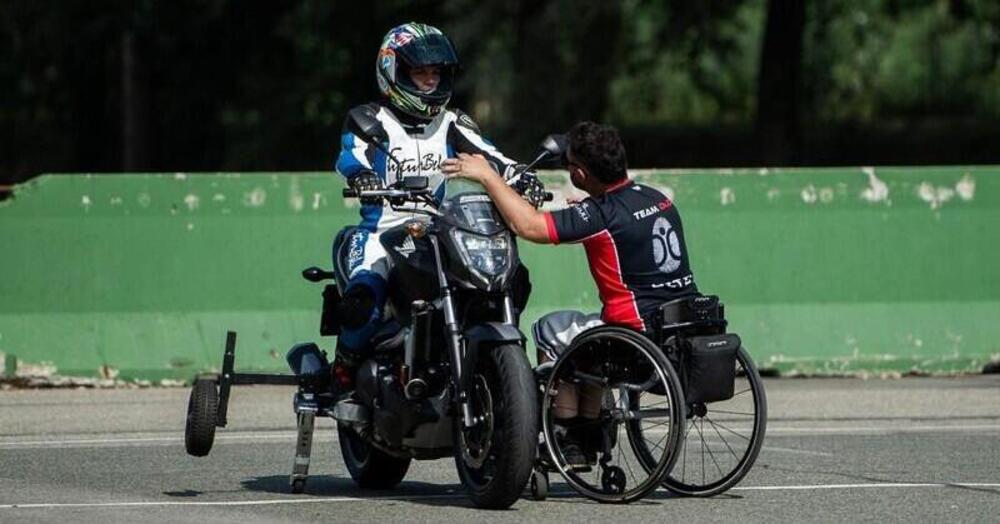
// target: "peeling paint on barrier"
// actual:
[[877, 190], [295, 199], [727, 196], [826, 195], [966, 187], [935, 196], [42, 369], [192, 201], [255, 198], [809, 194]]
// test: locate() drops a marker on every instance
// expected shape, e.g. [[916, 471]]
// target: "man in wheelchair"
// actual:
[[634, 241]]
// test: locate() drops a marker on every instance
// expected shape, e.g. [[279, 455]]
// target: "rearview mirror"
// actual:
[[556, 145]]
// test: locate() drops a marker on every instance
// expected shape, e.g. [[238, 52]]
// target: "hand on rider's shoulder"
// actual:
[[474, 167]]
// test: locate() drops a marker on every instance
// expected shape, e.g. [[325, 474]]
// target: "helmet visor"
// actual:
[[428, 50]]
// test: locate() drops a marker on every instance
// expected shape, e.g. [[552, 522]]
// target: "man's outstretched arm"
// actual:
[[523, 219]]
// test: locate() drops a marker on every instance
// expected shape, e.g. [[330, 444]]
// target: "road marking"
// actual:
[[323, 436], [872, 485], [266, 502], [865, 430], [179, 439], [317, 500], [797, 451]]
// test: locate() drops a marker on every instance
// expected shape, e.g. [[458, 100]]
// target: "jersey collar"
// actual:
[[619, 185]]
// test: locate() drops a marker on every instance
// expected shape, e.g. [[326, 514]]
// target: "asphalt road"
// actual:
[[836, 450]]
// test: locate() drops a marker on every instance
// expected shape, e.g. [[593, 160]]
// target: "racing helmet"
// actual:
[[415, 45]]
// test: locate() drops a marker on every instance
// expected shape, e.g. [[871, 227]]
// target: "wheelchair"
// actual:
[[683, 407]]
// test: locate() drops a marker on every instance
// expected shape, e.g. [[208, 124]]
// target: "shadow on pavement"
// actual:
[[334, 486]]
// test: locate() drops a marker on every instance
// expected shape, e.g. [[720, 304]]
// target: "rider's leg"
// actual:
[[360, 310]]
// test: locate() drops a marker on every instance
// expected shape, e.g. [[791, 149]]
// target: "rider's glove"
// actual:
[[367, 181], [531, 188]]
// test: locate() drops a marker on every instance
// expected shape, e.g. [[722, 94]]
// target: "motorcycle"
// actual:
[[448, 376]]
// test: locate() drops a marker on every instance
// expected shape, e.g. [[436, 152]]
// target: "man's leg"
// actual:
[[573, 407]]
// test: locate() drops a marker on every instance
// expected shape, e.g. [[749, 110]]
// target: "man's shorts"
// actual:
[[553, 333]]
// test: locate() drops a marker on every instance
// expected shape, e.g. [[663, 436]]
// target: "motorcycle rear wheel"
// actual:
[[370, 468], [495, 457]]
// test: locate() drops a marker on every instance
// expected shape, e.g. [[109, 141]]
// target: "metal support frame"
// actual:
[[229, 378], [303, 451]]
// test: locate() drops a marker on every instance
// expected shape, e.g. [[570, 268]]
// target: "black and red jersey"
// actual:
[[635, 247]]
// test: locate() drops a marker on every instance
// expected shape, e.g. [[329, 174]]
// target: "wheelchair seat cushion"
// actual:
[[554, 332]]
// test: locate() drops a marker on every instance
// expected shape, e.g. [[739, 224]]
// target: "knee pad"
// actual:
[[356, 308]]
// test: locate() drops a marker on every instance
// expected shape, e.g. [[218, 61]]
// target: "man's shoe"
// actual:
[[575, 459]]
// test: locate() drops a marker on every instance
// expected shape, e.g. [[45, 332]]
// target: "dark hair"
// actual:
[[599, 149]]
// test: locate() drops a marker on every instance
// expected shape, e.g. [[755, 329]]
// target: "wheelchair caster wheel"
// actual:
[[539, 485], [298, 486], [613, 480]]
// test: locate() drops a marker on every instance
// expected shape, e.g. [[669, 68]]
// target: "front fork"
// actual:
[[455, 346]]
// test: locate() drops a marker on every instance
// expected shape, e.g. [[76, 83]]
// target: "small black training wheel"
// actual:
[[539, 485], [613, 479], [203, 407]]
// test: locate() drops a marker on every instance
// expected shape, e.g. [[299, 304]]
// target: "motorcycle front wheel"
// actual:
[[495, 456]]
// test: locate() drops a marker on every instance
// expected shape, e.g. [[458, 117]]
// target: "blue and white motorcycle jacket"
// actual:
[[418, 147]]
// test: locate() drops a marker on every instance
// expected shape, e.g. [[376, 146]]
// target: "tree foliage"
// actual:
[[264, 84]]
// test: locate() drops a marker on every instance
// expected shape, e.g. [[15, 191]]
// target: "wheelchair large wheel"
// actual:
[[636, 386], [722, 439]]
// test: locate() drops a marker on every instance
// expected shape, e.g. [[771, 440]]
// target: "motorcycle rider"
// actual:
[[415, 70], [634, 240]]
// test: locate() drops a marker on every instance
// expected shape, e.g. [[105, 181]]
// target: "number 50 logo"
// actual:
[[666, 246]]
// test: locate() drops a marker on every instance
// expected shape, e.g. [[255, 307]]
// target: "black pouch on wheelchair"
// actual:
[[328, 325], [710, 367], [697, 308]]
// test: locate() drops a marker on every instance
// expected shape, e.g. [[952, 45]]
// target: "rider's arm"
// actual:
[[464, 136], [355, 156]]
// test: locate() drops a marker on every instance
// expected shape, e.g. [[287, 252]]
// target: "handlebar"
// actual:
[[385, 193], [408, 194]]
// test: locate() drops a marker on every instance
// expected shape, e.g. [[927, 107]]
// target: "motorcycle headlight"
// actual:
[[487, 256]]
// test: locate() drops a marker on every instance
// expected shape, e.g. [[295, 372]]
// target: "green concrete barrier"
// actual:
[[822, 270]]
